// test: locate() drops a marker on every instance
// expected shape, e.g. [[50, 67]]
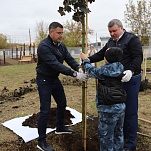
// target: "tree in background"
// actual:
[[138, 18], [72, 36], [42, 31], [3, 41]]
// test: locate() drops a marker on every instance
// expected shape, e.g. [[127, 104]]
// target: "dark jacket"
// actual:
[[110, 88], [51, 58], [132, 52], [111, 91]]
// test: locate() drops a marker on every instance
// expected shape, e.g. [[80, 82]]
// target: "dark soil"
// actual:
[[32, 121], [64, 142], [74, 141]]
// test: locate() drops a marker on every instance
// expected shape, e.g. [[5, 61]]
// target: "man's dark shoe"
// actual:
[[129, 149], [44, 146], [63, 131]]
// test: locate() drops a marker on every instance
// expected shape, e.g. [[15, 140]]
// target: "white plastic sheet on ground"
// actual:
[[28, 133]]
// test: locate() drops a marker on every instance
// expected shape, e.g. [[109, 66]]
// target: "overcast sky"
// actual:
[[18, 16]]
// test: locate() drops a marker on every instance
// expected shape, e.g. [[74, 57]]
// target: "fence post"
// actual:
[[33, 49], [17, 52], [30, 49], [34, 52], [20, 52], [4, 56], [24, 50], [12, 53]]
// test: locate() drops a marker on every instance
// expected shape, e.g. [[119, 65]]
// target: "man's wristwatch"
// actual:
[[74, 74]]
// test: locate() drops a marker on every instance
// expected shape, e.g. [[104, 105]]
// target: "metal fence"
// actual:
[[17, 52]]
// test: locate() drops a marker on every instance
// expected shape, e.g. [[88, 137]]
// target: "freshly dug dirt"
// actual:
[[32, 121], [69, 142]]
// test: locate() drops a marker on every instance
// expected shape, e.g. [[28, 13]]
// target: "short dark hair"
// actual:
[[113, 54], [54, 25], [115, 22]]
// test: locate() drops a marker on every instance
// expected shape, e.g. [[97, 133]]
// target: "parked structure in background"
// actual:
[[104, 41]]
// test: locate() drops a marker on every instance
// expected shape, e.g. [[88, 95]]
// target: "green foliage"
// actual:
[[138, 18], [13, 76], [3, 41], [73, 33], [79, 8]]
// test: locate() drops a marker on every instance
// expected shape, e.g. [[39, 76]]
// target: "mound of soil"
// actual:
[[32, 121], [68, 142], [74, 141]]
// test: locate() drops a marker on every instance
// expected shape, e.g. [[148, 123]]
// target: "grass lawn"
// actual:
[[14, 76]]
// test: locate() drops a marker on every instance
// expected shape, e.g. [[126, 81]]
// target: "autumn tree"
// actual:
[[73, 33], [3, 41], [138, 18], [41, 31]]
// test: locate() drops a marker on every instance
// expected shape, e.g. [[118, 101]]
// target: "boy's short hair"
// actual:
[[113, 54]]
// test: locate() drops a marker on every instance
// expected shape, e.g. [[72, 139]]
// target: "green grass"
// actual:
[[14, 75]]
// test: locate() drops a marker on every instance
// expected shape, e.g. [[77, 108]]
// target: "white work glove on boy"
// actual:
[[127, 76], [82, 76]]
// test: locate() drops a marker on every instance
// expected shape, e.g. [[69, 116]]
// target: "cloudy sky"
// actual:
[[18, 16]]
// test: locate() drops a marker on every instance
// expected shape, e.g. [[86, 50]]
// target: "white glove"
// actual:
[[127, 76], [82, 76], [80, 70]]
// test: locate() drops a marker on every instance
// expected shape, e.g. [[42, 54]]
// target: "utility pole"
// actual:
[[96, 39]]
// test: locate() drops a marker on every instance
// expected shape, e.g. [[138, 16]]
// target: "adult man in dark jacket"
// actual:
[[131, 59], [51, 55]]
